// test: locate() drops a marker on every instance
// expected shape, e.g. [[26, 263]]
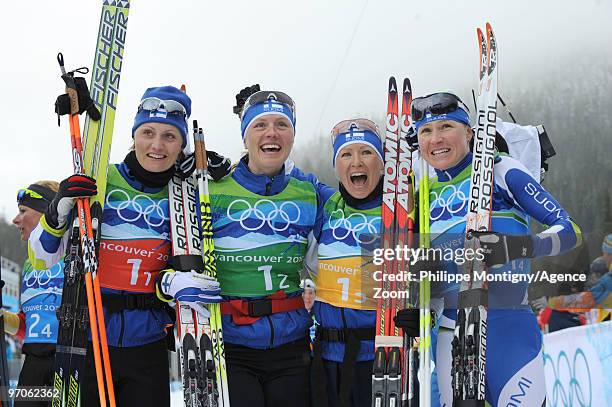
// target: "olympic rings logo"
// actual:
[[265, 211], [41, 278], [456, 196], [153, 212], [567, 389], [356, 224]]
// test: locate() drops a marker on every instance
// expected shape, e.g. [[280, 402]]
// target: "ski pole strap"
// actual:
[[343, 335], [115, 303], [351, 337], [246, 312], [319, 376]]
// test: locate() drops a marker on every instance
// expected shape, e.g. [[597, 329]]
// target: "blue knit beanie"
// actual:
[[160, 115]]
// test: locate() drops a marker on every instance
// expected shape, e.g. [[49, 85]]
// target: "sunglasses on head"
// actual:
[[170, 106], [345, 126], [436, 104], [267, 95], [28, 192]]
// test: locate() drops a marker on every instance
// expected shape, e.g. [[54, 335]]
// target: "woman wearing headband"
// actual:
[[345, 307], [514, 342], [41, 294], [134, 248], [263, 213]]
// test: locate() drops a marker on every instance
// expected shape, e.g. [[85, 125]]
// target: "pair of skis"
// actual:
[[4, 379], [90, 156], [469, 344], [201, 345], [389, 381]]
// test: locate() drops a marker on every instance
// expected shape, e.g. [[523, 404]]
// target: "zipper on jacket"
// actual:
[[345, 325], [120, 341], [271, 332], [269, 185]]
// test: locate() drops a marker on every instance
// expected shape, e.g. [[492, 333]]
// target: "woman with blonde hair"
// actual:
[[41, 294]]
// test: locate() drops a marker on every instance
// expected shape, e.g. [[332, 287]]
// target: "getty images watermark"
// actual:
[[427, 264]]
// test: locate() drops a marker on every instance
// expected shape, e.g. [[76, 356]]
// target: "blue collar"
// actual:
[[452, 172], [260, 184]]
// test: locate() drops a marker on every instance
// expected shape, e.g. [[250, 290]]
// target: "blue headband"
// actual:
[[459, 115], [263, 109], [354, 137]]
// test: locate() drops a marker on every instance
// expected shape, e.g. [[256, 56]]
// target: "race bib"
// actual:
[[132, 265], [346, 283]]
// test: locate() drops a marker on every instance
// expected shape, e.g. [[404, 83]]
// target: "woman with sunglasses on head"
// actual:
[[345, 237], [514, 341], [134, 248], [41, 294], [263, 213]]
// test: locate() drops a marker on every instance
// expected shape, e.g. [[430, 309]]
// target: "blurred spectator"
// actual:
[[596, 301], [309, 293]]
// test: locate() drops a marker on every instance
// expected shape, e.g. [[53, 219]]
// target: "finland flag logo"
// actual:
[[357, 135], [161, 112], [273, 106]]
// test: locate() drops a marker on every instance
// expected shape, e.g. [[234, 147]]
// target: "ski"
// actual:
[[200, 340], [383, 340], [389, 382], [87, 247], [470, 341], [212, 344], [187, 256], [73, 314], [4, 379], [405, 227]]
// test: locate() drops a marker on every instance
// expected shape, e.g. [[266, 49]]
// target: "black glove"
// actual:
[[86, 104], [499, 249], [409, 319], [186, 166], [218, 165], [75, 186], [243, 95], [412, 139]]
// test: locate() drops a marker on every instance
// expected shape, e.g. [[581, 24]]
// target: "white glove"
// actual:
[[191, 288]]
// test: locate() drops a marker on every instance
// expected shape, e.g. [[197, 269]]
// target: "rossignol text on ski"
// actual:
[[469, 344]]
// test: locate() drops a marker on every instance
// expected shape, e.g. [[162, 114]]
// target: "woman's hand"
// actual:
[[191, 288], [218, 165], [499, 249], [73, 187]]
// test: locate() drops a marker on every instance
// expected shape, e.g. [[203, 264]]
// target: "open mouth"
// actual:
[[156, 156], [359, 178], [270, 148], [440, 151]]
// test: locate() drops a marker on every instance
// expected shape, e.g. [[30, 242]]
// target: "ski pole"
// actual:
[[209, 263], [90, 262], [424, 294], [506, 107], [405, 210]]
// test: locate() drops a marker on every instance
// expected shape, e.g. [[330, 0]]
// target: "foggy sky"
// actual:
[[217, 48]]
